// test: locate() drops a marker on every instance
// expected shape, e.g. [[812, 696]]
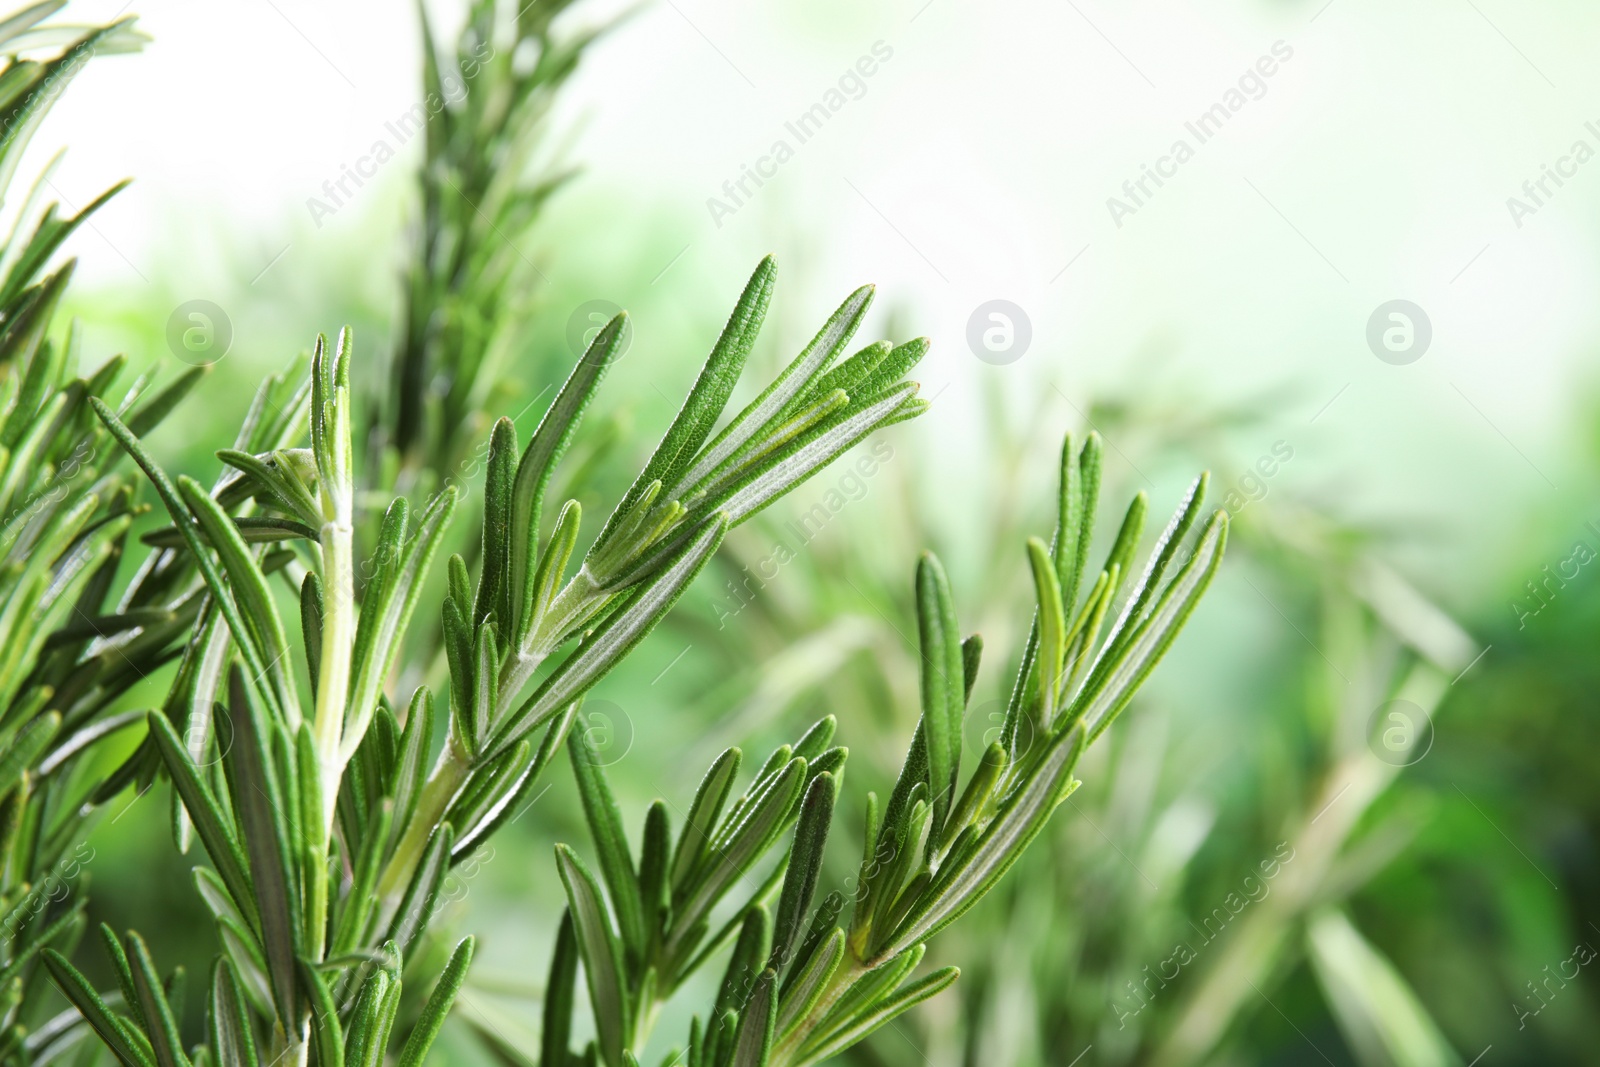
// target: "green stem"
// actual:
[[454, 765], [338, 640], [576, 601], [789, 1045], [444, 782]]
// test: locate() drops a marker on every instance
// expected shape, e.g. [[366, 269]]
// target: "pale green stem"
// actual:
[[449, 774], [576, 599], [338, 639], [336, 484], [785, 1050]]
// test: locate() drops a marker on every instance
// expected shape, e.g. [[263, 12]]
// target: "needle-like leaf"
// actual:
[[610, 841], [616, 638], [602, 954], [539, 460], [438, 1006], [943, 683], [805, 866]]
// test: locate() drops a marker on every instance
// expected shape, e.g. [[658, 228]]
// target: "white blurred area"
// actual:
[[976, 164]]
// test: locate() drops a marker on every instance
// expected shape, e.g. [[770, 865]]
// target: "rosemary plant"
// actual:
[[328, 833], [798, 987], [485, 176], [74, 637]]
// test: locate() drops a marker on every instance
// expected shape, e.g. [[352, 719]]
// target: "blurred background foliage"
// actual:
[[1425, 914]]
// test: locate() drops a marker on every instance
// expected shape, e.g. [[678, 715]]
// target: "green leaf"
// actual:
[[555, 1035], [880, 1014], [753, 1046], [1052, 647], [327, 1033], [971, 656], [126, 1044], [391, 615], [610, 841], [232, 1039], [1127, 542], [261, 803], [153, 410], [411, 768], [809, 983], [745, 842], [776, 764], [1075, 510], [655, 856], [160, 1025], [851, 372], [698, 828], [745, 962], [611, 642], [895, 366], [782, 470], [872, 860], [279, 477], [805, 866], [119, 963], [308, 843], [539, 461], [263, 628], [815, 740], [180, 516], [602, 955], [551, 571], [991, 769], [368, 1031], [962, 881], [458, 648], [776, 399], [1112, 683], [889, 862], [1133, 612], [214, 827], [360, 903], [437, 1009], [943, 683], [824, 921], [497, 531], [82, 739], [710, 394], [476, 719], [29, 742]]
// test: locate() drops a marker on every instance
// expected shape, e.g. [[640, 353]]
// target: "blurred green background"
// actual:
[[1402, 546]]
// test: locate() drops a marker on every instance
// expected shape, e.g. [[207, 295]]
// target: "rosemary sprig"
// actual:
[[328, 836], [799, 987]]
